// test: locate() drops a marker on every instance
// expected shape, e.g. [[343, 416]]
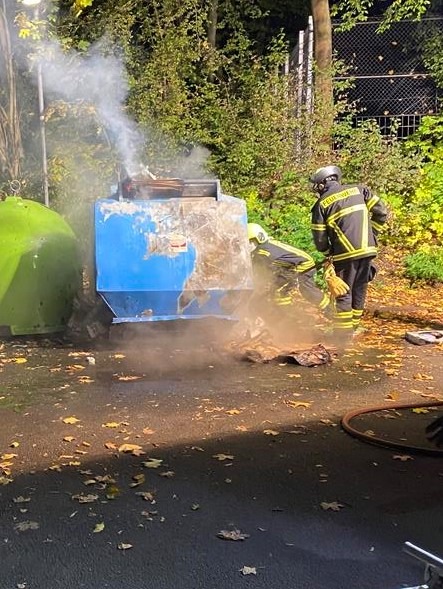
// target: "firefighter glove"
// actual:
[[336, 286]]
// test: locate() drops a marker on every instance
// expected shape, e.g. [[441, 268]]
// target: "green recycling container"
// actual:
[[40, 268]]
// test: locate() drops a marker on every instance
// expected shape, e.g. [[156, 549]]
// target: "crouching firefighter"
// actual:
[[346, 220], [292, 270]]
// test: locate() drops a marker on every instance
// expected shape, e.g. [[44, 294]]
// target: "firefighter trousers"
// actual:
[[349, 308], [308, 289]]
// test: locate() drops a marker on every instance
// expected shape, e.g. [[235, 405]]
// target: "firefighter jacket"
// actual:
[[346, 220], [285, 261]]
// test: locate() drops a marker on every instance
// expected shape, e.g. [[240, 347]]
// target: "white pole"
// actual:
[[41, 114]]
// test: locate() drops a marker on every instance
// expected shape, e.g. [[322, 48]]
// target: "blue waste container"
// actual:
[[172, 254]]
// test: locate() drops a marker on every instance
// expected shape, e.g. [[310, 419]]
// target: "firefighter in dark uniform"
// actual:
[[292, 269], [345, 222]]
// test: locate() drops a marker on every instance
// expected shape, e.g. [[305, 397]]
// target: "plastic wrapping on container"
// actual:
[[164, 257]]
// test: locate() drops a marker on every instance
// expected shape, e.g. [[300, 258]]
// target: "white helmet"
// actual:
[[256, 231]]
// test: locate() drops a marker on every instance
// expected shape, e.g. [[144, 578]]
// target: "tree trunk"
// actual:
[[212, 23], [323, 63], [10, 136]]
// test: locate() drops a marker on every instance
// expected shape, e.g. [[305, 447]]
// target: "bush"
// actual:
[[425, 265]]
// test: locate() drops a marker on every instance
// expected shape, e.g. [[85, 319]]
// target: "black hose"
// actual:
[[346, 425]]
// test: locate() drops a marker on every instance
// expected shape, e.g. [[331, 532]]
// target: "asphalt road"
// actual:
[[226, 450]]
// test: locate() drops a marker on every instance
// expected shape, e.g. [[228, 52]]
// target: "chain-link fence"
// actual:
[[387, 73]]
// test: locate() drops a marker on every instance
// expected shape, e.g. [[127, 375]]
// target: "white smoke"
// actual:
[[99, 80]]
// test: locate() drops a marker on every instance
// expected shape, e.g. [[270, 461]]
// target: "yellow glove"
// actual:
[[336, 286]]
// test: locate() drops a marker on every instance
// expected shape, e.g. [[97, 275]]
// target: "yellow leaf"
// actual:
[[271, 432], [152, 463], [111, 424], [333, 505], [123, 546], [295, 404], [19, 360], [71, 420], [68, 439], [420, 410], [233, 412], [98, 528], [222, 457], [135, 449], [14, 444], [8, 456]]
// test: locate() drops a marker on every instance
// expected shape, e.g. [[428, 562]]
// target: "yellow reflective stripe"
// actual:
[[318, 227], [364, 231], [304, 266], [329, 200], [357, 312], [347, 255], [376, 225], [324, 302], [346, 211], [263, 252], [372, 201], [347, 325], [344, 314]]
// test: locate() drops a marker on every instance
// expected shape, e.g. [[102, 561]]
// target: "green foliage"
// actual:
[[425, 266], [430, 40], [351, 12], [420, 214]]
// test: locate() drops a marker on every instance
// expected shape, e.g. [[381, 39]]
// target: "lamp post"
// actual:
[[41, 110]]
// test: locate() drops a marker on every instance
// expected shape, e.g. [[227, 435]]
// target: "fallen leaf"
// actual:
[[5, 480], [26, 525], [8, 456], [222, 457], [420, 376], [85, 498], [19, 360], [123, 546], [152, 462], [68, 439], [139, 479], [110, 445], [112, 492], [147, 496], [420, 410], [111, 424], [14, 444], [167, 474], [241, 428], [71, 420], [295, 404], [402, 457], [135, 449], [234, 535], [98, 528], [129, 378], [271, 432], [248, 570], [233, 412], [21, 499], [333, 505], [148, 431]]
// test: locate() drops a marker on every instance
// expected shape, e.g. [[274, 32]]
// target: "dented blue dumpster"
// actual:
[[172, 250]]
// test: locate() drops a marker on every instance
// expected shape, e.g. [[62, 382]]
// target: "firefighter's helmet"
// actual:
[[256, 231], [320, 176]]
